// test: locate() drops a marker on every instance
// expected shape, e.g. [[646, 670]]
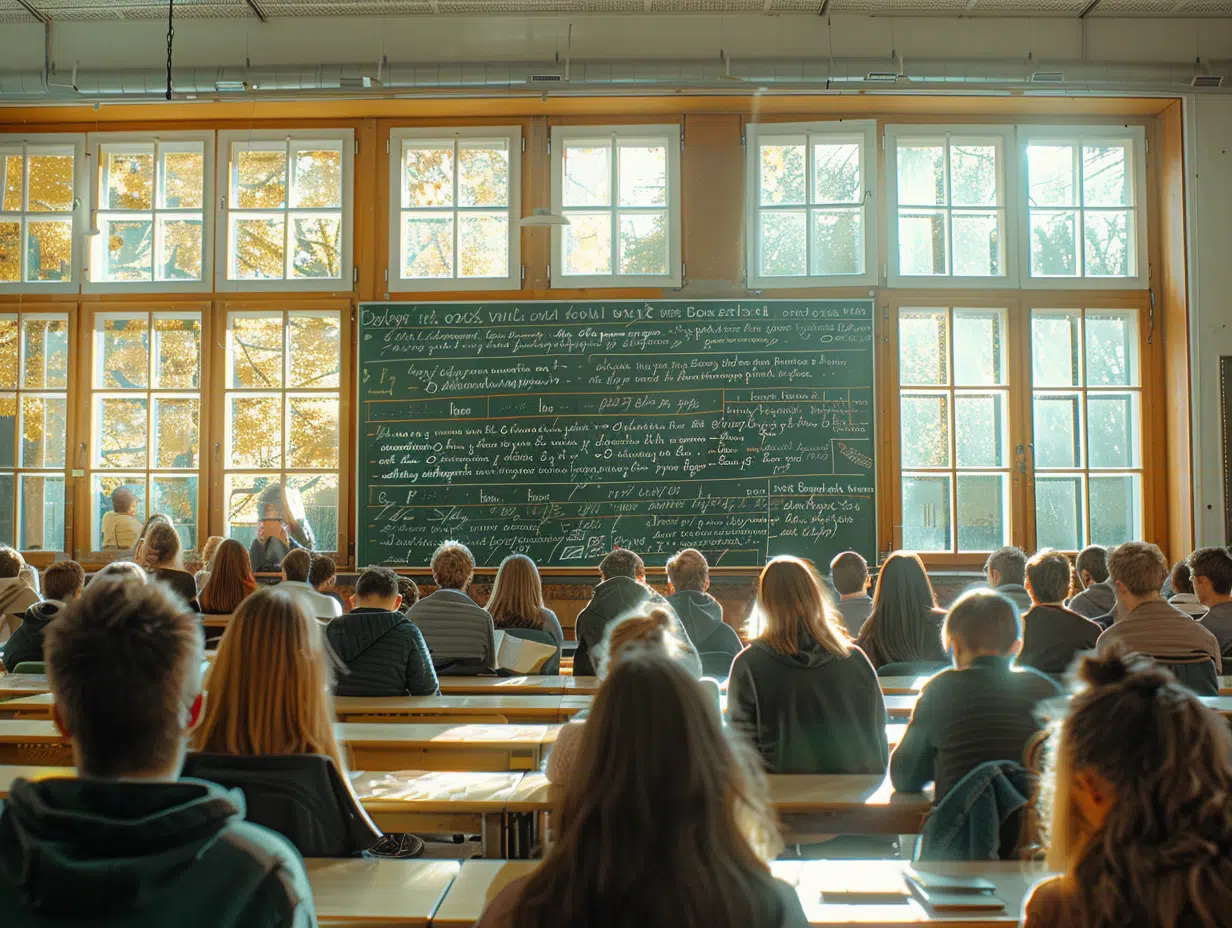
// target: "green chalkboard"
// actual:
[[560, 430]]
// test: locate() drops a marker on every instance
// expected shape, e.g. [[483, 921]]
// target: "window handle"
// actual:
[[81, 455]]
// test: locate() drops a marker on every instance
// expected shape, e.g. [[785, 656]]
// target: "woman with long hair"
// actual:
[[673, 827], [655, 629], [230, 581], [1140, 788], [517, 599], [208, 550], [139, 546], [905, 624], [269, 687], [809, 701], [161, 554]]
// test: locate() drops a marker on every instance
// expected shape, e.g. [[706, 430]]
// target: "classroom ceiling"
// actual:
[[29, 11]]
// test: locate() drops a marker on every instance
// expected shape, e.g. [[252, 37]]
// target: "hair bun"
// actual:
[[662, 618], [1120, 668]]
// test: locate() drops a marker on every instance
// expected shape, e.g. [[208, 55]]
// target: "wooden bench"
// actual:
[[378, 893], [480, 881]]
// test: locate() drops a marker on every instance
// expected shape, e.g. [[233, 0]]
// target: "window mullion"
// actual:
[[457, 217], [614, 201]]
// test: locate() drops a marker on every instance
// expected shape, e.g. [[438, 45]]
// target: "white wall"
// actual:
[[1209, 178], [429, 39]]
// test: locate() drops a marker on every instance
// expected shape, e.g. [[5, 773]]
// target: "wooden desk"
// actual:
[[478, 883], [439, 802], [25, 743], [522, 686], [23, 684], [413, 746], [378, 893], [580, 686], [902, 686], [511, 707], [482, 880], [901, 707], [27, 707], [1014, 880]]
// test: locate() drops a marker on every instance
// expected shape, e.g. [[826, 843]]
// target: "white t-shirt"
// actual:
[[317, 605]]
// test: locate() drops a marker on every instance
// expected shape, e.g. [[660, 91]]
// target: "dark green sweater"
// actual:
[[111, 853], [964, 718]]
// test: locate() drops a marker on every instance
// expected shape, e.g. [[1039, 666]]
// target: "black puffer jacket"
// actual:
[[26, 644], [614, 599], [701, 617], [384, 654]]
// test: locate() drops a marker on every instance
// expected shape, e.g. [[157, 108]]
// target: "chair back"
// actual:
[[30, 667], [301, 796], [911, 668], [552, 667], [716, 664], [1198, 674]]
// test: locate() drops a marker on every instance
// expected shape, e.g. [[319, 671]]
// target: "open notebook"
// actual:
[[520, 655]]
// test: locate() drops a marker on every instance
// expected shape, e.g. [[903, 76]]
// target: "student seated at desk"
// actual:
[[230, 581], [1141, 796], [517, 599], [120, 527], [905, 624], [981, 710], [18, 589], [296, 567], [383, 652], [849, 576], [1098, 596], [1051, 634], [126, 843], [322, 575], [700, 614], [1211, 570], [807, 698], [1006, 572], [457, 630], [62, 583], [672, 827], [654, 629], [1183, 596], [161, 557], [409, 590]]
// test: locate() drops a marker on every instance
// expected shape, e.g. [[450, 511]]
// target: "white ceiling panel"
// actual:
[[13, 12], [138, 9]]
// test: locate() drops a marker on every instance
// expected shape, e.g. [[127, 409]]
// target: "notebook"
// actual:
[[520, 655], [950, 895]]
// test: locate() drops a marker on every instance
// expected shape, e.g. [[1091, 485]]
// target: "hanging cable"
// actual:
[[170, 39]]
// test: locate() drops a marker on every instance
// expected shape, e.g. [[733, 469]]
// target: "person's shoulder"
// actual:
[[275, 863], [791, 912], [1046, 906], [1037, 681]]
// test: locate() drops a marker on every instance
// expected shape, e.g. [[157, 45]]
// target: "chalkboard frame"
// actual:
[[591, 570]]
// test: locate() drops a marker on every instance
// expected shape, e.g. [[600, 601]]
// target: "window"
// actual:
[[33, 429], [151, 212], [288, 210], [1084, 193], [145, 414], [812, 204], [457, 226], [619, 187], [948, 222], [1086, 419], [954, 429], [41, 209], [283, 380]]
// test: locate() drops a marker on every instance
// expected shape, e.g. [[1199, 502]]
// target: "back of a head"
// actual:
[[121, 572], [1215, 564], [63, 580], [984, 621], [297, 565], [1162, 855], [453, 566], [1093, 560], [517, 593], [661, 774], [1139, 566], [269, 685], [123, 662], [903, 624], [1050, 575], [849, 573], [795, 608], [377, 583], [230, 579], [162, 546], [1180, 578], [688, 570], [622, 563], [321, 569], [11, 562], [653, 628], [210, 549], [123, 499], [409, 590], [1010, 563]]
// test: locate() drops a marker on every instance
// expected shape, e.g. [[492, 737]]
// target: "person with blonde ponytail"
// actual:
[[161, 558], [807, 698], [1140, 789], [655, 628]]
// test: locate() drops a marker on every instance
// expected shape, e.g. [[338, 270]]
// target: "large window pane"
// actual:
[[483, 174], [319, 493], [312, 426], [241, 492], [979, 429], [41, 508], [587, 174], [129, 179], [1056, 350], [316, 246], [1106, 178], [1058, 512], [8, 434], [427, 176], [922, 242], [1116, 509], [977, 244], [129, 252], [782, 173], [926, 513], [177, 353], [51, 183], [973, 174], [259, 178], [1050, 175], [102, 503], [782, 237], [259, 246], [836, 173], [49, 249], [316, 177], [923, 349], [588, 244], [44, 425], [643, 175], [122, 346], [1112, 430], [120, 438], [1058, 430], [483, 245], [925, 430], [254, 431], [921, 174], [179, 249], [177, 497], [427, 245], [1054, 243], [1112, 349], [183, 176], [1107, 238], [254, 351], [10, 252], [982, 500], [838, 241], [316, 349], [176, 428], [643, 243], [979, 347]]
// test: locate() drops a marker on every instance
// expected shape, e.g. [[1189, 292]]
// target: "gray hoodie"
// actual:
[[1097, 600], [701, 617]]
